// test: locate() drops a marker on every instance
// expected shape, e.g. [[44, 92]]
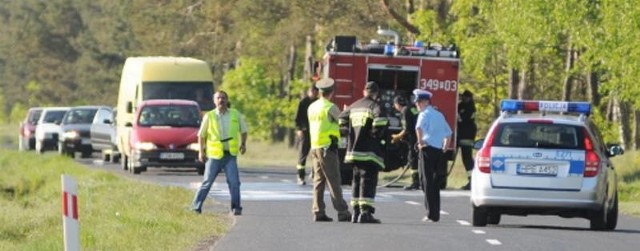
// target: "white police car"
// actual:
[[546, 158]]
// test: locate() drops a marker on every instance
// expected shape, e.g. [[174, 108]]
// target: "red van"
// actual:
[[164, 133]]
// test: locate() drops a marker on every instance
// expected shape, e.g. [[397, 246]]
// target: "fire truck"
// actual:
[[397, 69]]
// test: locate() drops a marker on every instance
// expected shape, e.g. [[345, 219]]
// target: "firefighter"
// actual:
[[325, 133], [408, 135], [365, 147], [302, 131], [467, 130], [433, 134]]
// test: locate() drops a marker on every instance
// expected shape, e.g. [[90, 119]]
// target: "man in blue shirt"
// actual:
[[433, 134]]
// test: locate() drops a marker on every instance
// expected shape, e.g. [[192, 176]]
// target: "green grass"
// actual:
[[628, 170], [115, 213]]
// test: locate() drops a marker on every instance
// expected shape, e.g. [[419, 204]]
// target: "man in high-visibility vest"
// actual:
[[222, 135], [324, 133], [365, 150]]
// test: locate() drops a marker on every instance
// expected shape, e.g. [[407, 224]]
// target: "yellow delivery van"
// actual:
[[146, 78]]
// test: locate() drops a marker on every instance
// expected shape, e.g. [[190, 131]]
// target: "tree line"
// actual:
[[71, 52]]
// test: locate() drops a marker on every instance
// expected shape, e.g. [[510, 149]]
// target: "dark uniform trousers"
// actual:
[[326, 170], [431, 161], [305, 145], [365, 181]]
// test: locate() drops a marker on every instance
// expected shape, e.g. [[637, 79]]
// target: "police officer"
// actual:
[[467, 130], [302, 131], [365, 147], [433, 135], [324, 132], [408, 135]]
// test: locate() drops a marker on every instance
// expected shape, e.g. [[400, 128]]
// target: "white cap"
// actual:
[[421, 95]]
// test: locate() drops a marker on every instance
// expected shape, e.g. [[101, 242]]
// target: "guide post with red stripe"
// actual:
[[70, 219]]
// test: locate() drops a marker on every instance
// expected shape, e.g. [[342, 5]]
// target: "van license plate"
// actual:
[[172, 156], [538, 169]]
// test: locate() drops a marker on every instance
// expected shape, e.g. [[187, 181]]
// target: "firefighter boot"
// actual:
[[301, 176], [366, 215], [467, 186], [356, 214], [415, 184]]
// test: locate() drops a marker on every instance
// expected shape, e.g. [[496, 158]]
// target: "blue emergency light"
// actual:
[[510, 105]]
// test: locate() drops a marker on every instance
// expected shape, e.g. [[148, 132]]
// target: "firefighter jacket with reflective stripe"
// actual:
[[321, 124], [366, 129], [215, 148]]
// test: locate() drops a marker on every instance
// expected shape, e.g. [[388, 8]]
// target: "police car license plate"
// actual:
[[172, 156], [537, 169]]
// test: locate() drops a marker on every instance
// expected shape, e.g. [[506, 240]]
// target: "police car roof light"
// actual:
[[510, 105]]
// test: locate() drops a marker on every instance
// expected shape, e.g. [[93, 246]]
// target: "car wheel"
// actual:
[[106, 157], [86, 153], [479, 216], [493, 219], [612, 216], [61, 150], [598, 219], [124, 162], [200, 170], [115, 157]]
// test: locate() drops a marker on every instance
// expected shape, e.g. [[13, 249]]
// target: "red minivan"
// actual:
[[164, 134]]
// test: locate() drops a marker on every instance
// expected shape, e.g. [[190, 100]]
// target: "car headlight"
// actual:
[[194, 147], [70, 135], [146, 146]]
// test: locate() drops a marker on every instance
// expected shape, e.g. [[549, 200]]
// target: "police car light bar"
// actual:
[[510, 105]]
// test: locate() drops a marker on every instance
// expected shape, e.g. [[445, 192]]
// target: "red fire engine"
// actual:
[[398, 70]]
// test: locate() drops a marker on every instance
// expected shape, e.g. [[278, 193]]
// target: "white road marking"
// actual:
[[477, 231], [494, 242], [463, 222], [444, 212], [286, 181], [264, 177], [412, 203]]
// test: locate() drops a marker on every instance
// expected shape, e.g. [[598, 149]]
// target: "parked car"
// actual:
[[75, 128], [26, 137], [48, 128], [103, 134], [545, 163], [163, 133]]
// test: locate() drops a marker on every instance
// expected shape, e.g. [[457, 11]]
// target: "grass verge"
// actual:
[[115, 213]]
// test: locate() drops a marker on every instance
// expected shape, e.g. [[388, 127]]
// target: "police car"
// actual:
[[545, 158]]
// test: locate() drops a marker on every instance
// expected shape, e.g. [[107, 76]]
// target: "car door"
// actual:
[[100, 133]]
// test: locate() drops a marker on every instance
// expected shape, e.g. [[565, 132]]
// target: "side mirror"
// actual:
[[129, 107], [614, 150], [478, 144], [128, 124], [107, 121], [57, 122]]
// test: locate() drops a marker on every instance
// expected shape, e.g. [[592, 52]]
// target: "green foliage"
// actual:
[[18, 113], [157, 219]]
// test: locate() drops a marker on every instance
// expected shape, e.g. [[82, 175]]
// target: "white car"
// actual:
[[545, 158], [48, 128]]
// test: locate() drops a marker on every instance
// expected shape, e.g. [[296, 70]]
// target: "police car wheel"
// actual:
[[612, 216], [493, 219], [479, 217]]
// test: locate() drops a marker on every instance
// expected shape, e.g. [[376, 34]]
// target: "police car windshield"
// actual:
[[539, 135]]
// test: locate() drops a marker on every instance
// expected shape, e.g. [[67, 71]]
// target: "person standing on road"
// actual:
[[467, 130], [408, 135], [433, 135], [325, 133], [365, 150], [302, 131], [222, 135]]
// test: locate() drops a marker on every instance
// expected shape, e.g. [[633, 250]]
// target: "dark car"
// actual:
[[75, 128], [103, 134], [27, 135]]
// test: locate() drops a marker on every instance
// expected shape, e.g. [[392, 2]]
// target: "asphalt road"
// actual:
[[277, 216]]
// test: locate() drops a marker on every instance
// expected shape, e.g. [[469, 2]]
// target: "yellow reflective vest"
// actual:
[[320, 127], [215, 147]]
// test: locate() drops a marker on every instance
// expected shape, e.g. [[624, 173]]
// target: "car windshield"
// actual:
[[540, 135], [34, 116], [201, 92], [53, 116], [170, 115], [79, 116]]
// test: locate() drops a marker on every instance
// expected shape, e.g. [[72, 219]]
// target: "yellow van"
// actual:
[[146, 78]]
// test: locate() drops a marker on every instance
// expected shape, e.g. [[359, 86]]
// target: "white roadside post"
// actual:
[[70, 222]]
